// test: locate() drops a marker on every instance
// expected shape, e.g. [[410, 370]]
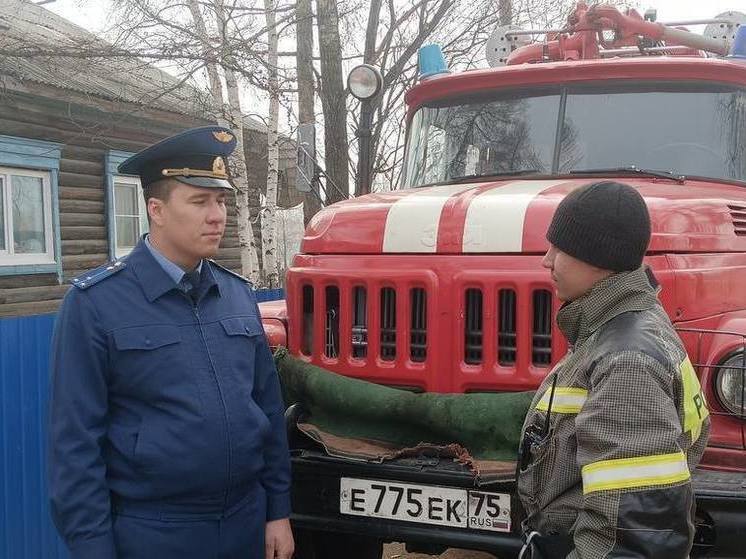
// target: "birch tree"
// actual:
[[225, 38], [269, 241], [230, 116]]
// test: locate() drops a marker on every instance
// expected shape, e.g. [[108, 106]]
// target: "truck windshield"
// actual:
[[690, 129]]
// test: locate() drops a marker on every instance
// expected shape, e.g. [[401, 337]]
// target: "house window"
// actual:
[[128, 216], [25, 217], [29, 212]]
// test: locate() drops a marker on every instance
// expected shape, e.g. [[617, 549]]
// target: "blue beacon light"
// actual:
[[738, 50], [431, 61]]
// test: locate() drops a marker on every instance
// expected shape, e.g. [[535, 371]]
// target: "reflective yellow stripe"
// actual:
[[566, 400], [695, 405], [628, 473]]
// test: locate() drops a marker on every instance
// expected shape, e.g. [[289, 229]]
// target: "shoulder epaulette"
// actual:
[[97, 275], [231, 272]]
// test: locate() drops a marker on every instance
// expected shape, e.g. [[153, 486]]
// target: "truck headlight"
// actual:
[[729, 384]]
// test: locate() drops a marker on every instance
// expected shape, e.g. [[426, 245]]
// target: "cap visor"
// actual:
[[206, 182]]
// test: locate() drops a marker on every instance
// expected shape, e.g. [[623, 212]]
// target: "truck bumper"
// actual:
[[721, 505], [721, 514], [316, 488]]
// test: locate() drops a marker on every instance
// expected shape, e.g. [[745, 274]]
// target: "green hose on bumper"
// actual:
[[487, 425]]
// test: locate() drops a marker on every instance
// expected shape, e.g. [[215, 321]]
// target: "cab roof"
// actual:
[[649, 68]]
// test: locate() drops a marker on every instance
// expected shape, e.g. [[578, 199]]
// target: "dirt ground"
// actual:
[[396, 551]]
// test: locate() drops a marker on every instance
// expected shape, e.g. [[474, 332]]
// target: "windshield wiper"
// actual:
[[466, 178], [634, 170]]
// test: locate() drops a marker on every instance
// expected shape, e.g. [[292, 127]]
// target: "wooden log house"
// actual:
[[65, 124]]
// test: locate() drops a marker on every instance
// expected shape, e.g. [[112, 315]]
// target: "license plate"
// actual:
[[427, 504]]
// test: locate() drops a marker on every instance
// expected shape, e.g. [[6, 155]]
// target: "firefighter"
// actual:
[[167, 436], [619, 424]]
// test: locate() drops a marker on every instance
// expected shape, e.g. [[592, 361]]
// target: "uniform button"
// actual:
[[147, 342], [246, 328]]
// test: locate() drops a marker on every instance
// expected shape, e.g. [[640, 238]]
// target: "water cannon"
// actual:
[[602, 31]]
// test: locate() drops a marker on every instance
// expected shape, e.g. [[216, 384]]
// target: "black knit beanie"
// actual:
[[605, 224]]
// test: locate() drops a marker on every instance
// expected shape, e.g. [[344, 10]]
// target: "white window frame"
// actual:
[[141, 208], [7, 256]]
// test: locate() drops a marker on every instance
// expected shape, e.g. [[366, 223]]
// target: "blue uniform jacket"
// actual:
[[158, 399]]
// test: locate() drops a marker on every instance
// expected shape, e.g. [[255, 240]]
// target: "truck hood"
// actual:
[[512, 216]]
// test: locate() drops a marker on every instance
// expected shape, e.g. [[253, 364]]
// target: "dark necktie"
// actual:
[[192, 279]]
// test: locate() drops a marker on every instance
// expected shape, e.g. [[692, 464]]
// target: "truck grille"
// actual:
[[388, 324], [541, 340], [418, 325], [473, 342], [331, 325], [307, 306], [507, 335], [359, 322], [493, 331], [507, 343]]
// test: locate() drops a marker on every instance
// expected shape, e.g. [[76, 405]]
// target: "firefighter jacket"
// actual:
[[628, 424], [159, 397]]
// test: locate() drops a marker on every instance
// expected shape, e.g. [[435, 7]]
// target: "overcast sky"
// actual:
[[92, 14]]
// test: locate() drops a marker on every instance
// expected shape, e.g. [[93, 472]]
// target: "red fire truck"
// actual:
[[437, 285]]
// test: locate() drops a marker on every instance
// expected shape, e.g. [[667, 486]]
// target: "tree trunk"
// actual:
[[226, 117], [505, 11], [216, 90], [244, 199], [269, 239], [333, 98], [304, 63]]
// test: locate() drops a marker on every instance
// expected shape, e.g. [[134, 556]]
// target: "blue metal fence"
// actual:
[[263, 295], [26, 530], [25, 527]]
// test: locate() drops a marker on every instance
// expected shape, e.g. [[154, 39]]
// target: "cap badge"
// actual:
[[223, 136], [218, 166]]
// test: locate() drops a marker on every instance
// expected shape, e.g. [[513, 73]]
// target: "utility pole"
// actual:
[[362, 182], [306, 93], [364, 132]]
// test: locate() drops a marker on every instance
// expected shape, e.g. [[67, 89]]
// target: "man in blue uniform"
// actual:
[[167, 436]]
